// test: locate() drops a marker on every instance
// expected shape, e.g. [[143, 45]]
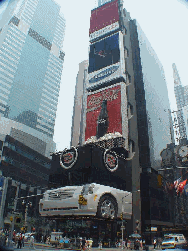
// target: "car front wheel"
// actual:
[[107, 207]]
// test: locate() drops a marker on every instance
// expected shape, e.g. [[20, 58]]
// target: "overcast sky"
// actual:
[[165, 23]]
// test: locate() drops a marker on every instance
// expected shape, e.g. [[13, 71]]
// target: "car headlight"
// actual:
[[87, 189]]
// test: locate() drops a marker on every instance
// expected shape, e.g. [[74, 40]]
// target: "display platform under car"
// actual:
[[93, 181]]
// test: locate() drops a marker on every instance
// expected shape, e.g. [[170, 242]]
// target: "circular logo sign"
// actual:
[[111, 160], [68, 158]]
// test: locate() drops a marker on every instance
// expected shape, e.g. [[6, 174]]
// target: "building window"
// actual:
[[131, 147], [129, 110], [39, 39], [128, 78], [126, 51], [14, 20]]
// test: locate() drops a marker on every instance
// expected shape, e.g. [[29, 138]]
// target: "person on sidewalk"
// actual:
[[155, 243], [31, 241], [23, 237], [20, 241], [83, 243], [100, 245]]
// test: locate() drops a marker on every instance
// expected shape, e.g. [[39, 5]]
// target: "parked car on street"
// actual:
[[171, 241]]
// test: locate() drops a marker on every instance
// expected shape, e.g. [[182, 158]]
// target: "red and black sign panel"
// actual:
[[104, 16], [94, 102]]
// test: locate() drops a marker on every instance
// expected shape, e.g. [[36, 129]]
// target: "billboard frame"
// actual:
[[123, 107], [111, 72]]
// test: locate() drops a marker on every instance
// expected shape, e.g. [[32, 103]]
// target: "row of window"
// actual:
[[46, 102], [8, 59], [13, 30], [52, 96], [52, 75], [46, 133], [46, 118], [45, 127], [58, 61], [4, 78], [35, 35], [50, 99], [28, 155], [4, 66], [5, 51], [48, 108]]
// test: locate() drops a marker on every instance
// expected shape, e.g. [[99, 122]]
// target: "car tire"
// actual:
[[107, 207]]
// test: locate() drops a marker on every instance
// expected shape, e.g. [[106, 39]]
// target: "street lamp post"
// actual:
[[27, 204], [15, 204], [122, 227]]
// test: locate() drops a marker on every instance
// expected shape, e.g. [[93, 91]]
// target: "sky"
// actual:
[[164, 22]]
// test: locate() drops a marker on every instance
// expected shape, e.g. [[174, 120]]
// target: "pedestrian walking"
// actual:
[[90, 243], [19, 242], [31, 241], [129, 244], [126, 241], [83, 243], [23, 237], [100, 245], [155, 243]]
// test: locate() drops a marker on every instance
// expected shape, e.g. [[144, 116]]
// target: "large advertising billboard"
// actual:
[[104, 53], [106, 60], [104, 19], [94, 106]]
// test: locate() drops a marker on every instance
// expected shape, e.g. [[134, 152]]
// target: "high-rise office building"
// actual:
[[77, 127], [181, 94], [125, 71], [31, 63]]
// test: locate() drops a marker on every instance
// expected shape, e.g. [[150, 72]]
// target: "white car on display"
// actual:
[[90, 199]]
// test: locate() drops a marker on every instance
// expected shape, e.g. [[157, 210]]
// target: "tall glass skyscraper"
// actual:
[[181, 94], [31, 63]]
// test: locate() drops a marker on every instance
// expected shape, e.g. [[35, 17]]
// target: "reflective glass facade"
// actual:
[[151, 99], [31, 63]]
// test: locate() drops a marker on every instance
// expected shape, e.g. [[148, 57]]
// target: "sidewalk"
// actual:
[[150, 248]]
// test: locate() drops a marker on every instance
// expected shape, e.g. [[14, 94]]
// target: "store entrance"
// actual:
[[89, 227]]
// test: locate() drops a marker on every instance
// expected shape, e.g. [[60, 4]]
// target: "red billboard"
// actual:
[[94, 106], [104, 16]]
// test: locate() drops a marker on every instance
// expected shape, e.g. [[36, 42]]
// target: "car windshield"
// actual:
[[168, 239]]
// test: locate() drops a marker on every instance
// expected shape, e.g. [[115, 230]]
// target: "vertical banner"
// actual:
[[94, 102]]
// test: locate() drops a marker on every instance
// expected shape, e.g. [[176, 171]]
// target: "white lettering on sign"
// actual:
[[95, 101], [104, 30]]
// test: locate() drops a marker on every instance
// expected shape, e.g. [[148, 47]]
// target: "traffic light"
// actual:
[[121, 216]]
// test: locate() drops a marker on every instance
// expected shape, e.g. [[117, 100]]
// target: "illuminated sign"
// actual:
[[104, 16], [94, 102], [104, 53], [103, 31], [106, 60], [103, 74], [154, 229]]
